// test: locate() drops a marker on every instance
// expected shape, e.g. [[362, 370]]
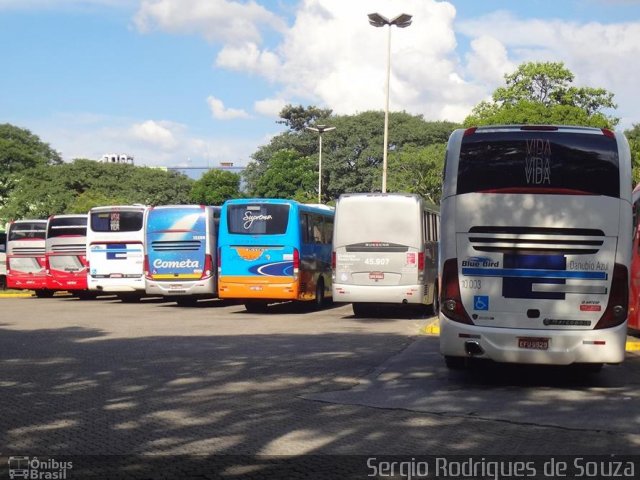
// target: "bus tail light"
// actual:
[[47, 268], [420, 261], [147, 270], [219, 260], [333, 260], [208, 267], [617, 306], [450, 299], [296, 261]]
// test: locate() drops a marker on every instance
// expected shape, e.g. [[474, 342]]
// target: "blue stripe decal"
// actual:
[[119, 250], [517, 272]]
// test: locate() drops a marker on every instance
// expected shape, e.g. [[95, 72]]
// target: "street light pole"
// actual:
[[401, 21], [320, 129]]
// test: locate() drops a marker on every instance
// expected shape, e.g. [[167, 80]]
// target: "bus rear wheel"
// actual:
[[435, 306], [455, 363], [130, 297], [319, 300], [187, 301], [361, 309], [256, 306], [44, 293]]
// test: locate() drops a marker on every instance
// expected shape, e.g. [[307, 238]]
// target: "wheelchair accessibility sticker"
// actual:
[[481, 302]]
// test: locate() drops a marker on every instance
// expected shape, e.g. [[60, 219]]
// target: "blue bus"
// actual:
[[180, 248], [273, 250]]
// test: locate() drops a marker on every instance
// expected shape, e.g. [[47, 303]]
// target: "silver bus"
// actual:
[[385, 249]]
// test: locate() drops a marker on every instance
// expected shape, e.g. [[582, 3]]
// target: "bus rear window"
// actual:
[[258, 219], [116, 221], [539, 161], [27, 231], [59, 227]]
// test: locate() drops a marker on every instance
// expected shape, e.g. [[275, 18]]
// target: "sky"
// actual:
[[193, 83]]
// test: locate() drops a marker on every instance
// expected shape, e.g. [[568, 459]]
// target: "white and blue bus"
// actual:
[[115, 251], [273, 250], [535, 244], [180, 252]]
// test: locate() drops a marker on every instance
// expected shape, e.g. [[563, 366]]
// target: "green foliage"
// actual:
[[540, 92], [633, 135], [91, 198], [296, 118], [69, 187], [20, 150], [214, 187], [351, 154], [418, 170], [289, 176]]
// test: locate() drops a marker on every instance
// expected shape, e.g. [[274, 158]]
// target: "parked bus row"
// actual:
[[258, 251], [535, 258]]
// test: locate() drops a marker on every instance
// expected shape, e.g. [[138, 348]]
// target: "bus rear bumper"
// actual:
[[378, 294], [117, 285], [26, 282], [564, 346], [276, 289], [68, 284], [168, 289]]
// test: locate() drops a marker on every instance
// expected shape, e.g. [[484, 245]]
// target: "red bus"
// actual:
[[66, 253], [25, 256]]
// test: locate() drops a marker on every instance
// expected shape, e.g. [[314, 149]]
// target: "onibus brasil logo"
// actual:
[[32, 468]]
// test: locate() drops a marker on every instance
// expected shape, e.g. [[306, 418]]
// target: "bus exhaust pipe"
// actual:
[[473, 349]]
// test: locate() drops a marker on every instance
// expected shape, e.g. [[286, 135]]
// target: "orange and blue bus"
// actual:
[[274, 250]]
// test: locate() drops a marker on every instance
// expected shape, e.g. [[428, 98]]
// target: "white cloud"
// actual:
[[158, 134], [598, 54], [332, 57], [216, 20], [151, 142], [219, 111], [249, 58], [488, 61], [269, 107]]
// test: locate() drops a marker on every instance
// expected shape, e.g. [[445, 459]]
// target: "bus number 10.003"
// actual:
[[472, 284]]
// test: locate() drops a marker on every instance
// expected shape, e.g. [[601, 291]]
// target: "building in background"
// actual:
[[117, 158]]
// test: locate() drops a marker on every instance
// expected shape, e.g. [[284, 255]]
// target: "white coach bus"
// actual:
[[385, 251], [115, 251], [535, 245]]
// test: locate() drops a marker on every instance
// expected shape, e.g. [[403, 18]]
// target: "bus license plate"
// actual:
[[376, 275], [533, 343]]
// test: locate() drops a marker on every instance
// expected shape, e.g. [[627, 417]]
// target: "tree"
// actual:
[[418, 170], [21, 150], [351, 154], [289, 176], [633, 135], [540, 92], [68, 187], [92, 198], [214, 187], [296, 118]]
